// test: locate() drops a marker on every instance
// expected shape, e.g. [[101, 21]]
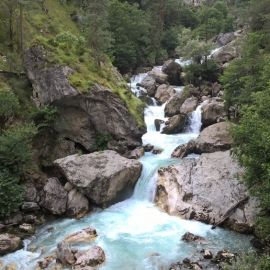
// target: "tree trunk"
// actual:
[[21, 27]]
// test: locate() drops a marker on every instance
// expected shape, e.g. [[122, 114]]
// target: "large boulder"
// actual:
[[103, 177], [173, 70], [224, 39], [213, 112], [9, 243], [86, 235], [159, 76], [189, 105], [77, 204], [54, 197], [164, 93], [205, 189], [150, 85], [214, 138], [175, 124], [81, 118]]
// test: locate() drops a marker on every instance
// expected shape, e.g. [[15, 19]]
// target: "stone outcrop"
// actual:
[[213, 112], [174, 104], [9, 243], [189, 105], [175, 124], [173, 70], [159, 76], [205, 189], [81, 118], [214, 138], [77, 204], [164, 93], [103, 177], [149, 84], [54, 197], [224, 39]]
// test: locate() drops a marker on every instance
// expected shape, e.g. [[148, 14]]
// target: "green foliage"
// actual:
[[250, 261], [102, 141], [10, 193], [9, 106], [44, 117]]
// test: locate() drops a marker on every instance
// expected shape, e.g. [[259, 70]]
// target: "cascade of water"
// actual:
[[196, 119], [136, 79], [130, 232]]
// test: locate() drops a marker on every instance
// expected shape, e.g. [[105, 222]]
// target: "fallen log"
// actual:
[[230, 211]]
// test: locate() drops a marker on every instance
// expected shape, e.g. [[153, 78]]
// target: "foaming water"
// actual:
[[135, 234]]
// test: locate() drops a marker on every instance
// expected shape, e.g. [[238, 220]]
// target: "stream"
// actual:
[[135, 234]]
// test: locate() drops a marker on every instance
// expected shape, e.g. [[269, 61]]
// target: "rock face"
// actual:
[[77, 204], [9, 243], [213, 112], [92, 257], [103, 177], [82, 118], [224, 39], [189, 105], [173, 70], [149, 84], [164, 93], [174, 104], [54, 197], [205, 190], [214, 138], [175, 124]]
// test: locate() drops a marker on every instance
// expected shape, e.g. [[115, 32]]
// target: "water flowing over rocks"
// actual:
[[205, 189], [149, 83], [214, 138], [103, 177], [9, 243]]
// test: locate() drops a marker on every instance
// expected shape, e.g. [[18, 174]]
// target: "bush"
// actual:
[[44, 117], [11, 193]]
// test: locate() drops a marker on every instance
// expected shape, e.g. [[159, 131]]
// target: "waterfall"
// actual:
[[196, 119]]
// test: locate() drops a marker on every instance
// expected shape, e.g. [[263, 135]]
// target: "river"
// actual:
[[135, 234]]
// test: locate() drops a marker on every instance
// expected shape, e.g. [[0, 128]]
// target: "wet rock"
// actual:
[[189, 105], [11, 266], [164, 93], [103, 177], [14, 219], [190, 237], [158, 123], [27, 228], [173, 70], [207, 254], [30, 207], [54, 197], [175, 124], [159, 76], [84, 236], [150, 85], [9, 243], [45, 263], [137, 153], [157, 151], [205, 189], [32, 219], [77, 204], [92, 257], [148, 147], [214, 138], [225, 256], [213, 112], [174, 104], [64, 254]]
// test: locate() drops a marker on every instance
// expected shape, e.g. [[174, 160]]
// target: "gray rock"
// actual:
[[224, 39], [175, 124], [14, 219], [64, 254], [137, 153], [9, 243], [104, 177], [54, 197], [174, 104], [213, 112], [30, 192], [173, 70], [27, 228], [189, 105], [205, 189], [149, 84], [159, 76], [94, 256], [214, 138], [84, 236], [30, 207], [158, 123], [190, 237], [164, 93], [77, 204]]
